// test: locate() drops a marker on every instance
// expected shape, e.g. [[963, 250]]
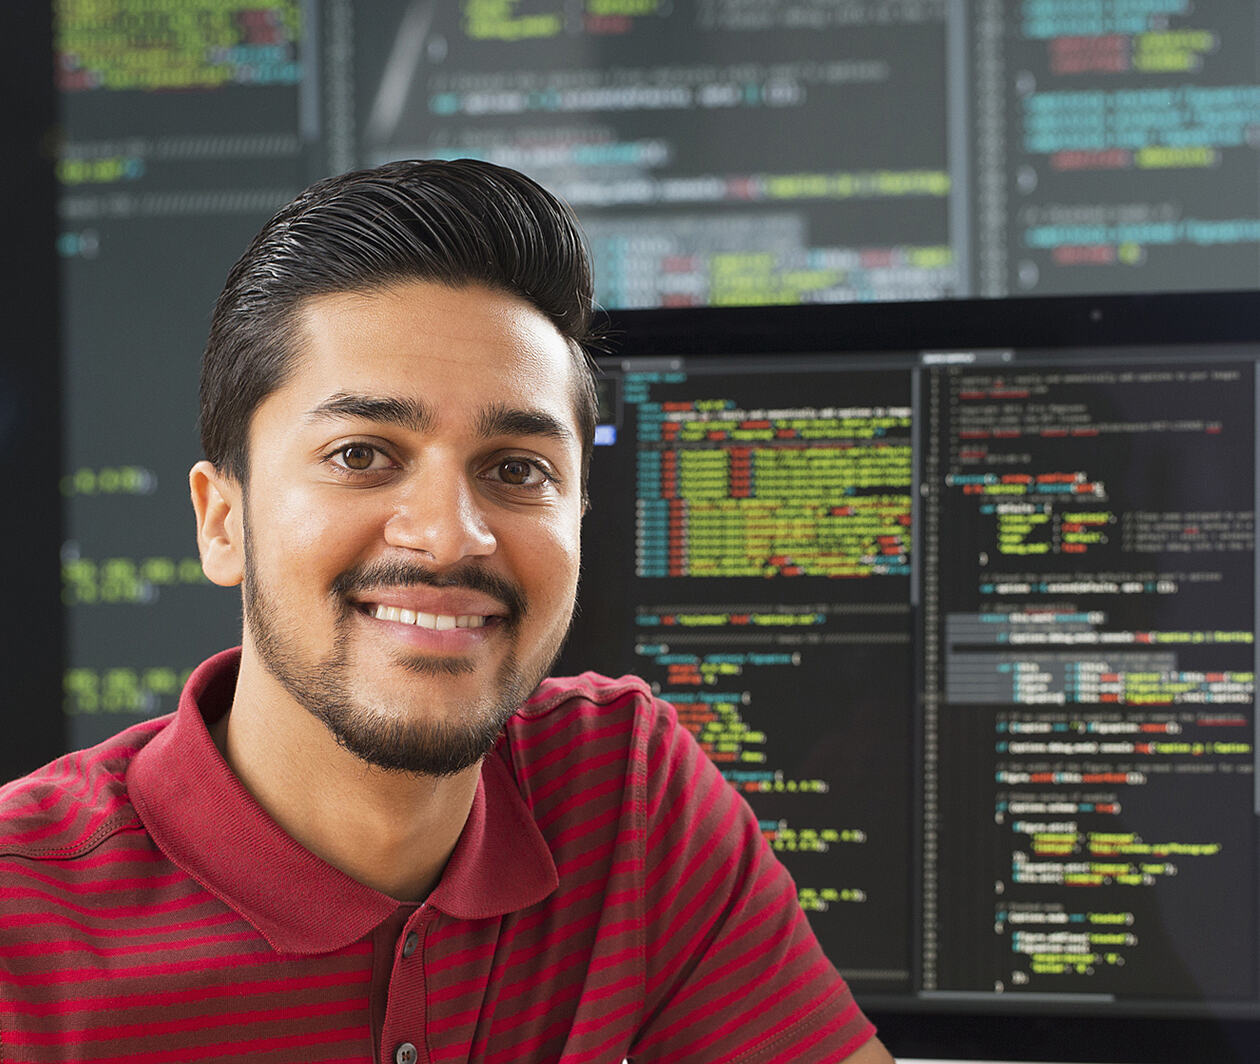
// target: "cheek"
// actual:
[[546, 560], [297, 532]]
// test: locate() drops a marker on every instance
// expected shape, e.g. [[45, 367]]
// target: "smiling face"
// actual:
[[411, 520]]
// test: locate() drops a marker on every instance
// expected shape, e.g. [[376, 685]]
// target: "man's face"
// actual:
[[412, 519]]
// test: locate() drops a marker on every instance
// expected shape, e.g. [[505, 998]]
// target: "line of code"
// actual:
[[1133, 149], [174, 44], [725, 491]]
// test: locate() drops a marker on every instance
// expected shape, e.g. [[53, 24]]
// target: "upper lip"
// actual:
[[451, 601]]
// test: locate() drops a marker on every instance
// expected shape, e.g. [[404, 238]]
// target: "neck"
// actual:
[[391, 831]]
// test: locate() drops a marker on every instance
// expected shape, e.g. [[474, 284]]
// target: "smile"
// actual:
[[440, 622]]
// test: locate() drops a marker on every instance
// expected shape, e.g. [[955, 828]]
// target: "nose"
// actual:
[[440, 516]]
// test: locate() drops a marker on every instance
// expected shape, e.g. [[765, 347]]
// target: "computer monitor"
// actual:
[[961, 598]]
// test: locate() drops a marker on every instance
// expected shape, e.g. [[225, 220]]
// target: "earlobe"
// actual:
[[218, 504]]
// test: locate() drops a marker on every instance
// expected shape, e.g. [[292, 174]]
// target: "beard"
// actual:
[[397, 736]]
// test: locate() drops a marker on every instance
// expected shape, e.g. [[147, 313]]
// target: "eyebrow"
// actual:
[[418, 416], [500, 420], [407, 413]]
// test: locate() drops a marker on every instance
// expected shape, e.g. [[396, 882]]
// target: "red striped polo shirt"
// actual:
[[610, 897]]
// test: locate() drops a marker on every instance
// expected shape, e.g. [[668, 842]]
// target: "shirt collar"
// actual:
[[202, 817]]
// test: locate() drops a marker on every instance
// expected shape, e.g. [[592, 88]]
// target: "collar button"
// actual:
[[410, 943]]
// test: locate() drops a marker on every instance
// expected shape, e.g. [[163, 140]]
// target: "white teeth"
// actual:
[[441, 622]]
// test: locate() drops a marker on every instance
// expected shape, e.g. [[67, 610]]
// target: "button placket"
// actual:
[[405, 1019]]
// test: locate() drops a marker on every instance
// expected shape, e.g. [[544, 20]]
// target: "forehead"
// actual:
[[451, 348]]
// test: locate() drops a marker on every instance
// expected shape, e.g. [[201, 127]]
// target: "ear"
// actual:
[[218, 503]]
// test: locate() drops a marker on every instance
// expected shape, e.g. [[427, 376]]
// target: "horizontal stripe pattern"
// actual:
[[109, 952], [674, 934]]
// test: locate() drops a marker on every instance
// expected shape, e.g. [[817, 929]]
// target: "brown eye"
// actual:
[[515, 471], [358, 457]]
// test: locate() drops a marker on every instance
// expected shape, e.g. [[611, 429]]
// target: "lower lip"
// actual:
[[453, 641]]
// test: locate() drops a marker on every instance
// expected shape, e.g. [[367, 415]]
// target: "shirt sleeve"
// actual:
[[734, 971]]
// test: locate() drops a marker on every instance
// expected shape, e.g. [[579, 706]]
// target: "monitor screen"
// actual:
[[720, 153], [971, 626]]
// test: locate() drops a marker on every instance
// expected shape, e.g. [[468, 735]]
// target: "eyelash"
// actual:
[[549, 477]]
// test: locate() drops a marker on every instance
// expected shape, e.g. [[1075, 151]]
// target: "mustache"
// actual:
[[377, 575]]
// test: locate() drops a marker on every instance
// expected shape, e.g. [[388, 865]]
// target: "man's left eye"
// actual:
[[519, 472]]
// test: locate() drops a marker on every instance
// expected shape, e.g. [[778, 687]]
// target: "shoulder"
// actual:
[[591, 742], [68, 807], [578, 728], [583, 735], [589, 720], [590, 695]]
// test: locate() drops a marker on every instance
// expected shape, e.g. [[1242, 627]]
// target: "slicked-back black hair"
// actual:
[[455, 223]]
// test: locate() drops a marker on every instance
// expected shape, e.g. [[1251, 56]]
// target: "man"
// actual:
[[376, 831]]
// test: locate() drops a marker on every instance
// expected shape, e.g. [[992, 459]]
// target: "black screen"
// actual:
[[972, 629]]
